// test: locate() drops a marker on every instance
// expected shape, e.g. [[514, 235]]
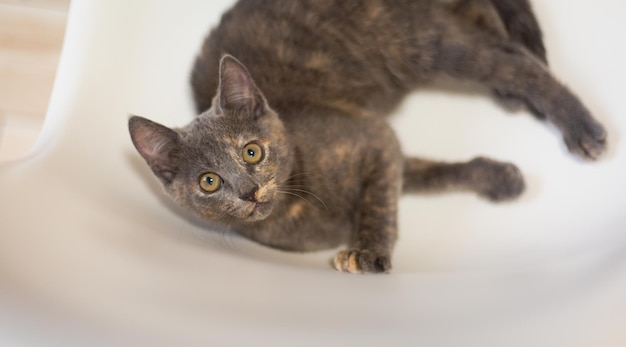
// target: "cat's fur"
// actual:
[[311, 84]]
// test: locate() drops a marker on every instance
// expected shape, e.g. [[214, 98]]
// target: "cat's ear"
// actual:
[[157, 144], [237, 90]]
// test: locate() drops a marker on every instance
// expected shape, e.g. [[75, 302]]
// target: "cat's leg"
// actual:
[[511, 20], [522, 26], [507, 67], [376, 226], [490, 179], [481, 14], [507, 19]]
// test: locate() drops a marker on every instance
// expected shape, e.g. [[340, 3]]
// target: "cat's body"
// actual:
[[298, 142], [358, 57]]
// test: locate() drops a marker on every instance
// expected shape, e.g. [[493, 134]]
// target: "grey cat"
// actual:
[[291, 147]]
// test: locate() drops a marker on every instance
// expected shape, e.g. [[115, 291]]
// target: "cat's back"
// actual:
[[343, 54]]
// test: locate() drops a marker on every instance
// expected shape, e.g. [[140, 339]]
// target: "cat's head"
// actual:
[[229, 163]]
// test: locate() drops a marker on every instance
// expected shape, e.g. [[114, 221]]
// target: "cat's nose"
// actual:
[[251, 195]]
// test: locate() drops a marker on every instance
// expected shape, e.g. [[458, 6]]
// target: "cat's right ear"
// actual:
[[157, 144]]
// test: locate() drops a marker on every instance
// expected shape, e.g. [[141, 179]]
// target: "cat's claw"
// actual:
[[361, 261]]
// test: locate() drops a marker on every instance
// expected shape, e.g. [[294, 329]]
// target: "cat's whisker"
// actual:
[[315, 196], [294, 194], [224, 239], [301, 186], [306, 192], [229, 235]]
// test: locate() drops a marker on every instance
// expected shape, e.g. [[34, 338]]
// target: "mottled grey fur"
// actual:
[[311, 84]]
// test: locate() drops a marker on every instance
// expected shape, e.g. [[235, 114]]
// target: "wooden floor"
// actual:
[[31, 37]]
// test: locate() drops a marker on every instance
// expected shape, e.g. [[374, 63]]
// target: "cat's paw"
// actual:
[[361, 261], [497, 181], [586, 138]]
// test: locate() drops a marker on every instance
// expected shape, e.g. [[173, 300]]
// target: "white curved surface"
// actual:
[[90, 255]]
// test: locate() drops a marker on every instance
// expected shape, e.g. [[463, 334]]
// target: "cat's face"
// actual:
[[230, 162]]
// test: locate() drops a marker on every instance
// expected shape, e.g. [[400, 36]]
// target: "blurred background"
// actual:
[[31, 37]]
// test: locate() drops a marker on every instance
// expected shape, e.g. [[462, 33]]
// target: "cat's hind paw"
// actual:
[[361, 261], [586, 138]]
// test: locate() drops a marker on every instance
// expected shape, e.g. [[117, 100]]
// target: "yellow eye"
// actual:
[[210, 182], [252, 153]]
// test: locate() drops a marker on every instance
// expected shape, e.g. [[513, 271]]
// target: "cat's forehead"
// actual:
[[221, 131]]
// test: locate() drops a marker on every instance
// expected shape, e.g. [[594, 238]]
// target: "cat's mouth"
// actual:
[[262, 208], [259, 211], [256, 209], [259, 205]]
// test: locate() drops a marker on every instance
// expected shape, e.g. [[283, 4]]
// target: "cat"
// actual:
[[291, 147]]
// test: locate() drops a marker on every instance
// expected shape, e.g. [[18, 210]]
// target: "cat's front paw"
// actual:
[[586, 138], [361, 261], [497, 181]]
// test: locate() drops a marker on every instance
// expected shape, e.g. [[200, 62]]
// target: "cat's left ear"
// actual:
[[237, 90]]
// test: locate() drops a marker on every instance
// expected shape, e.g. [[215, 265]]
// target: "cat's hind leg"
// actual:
[[493, 180], [522, 26], [511, 20], [507, 67]]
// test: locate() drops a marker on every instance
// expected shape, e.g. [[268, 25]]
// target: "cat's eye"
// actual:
[[210, 182], [252, 153]]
